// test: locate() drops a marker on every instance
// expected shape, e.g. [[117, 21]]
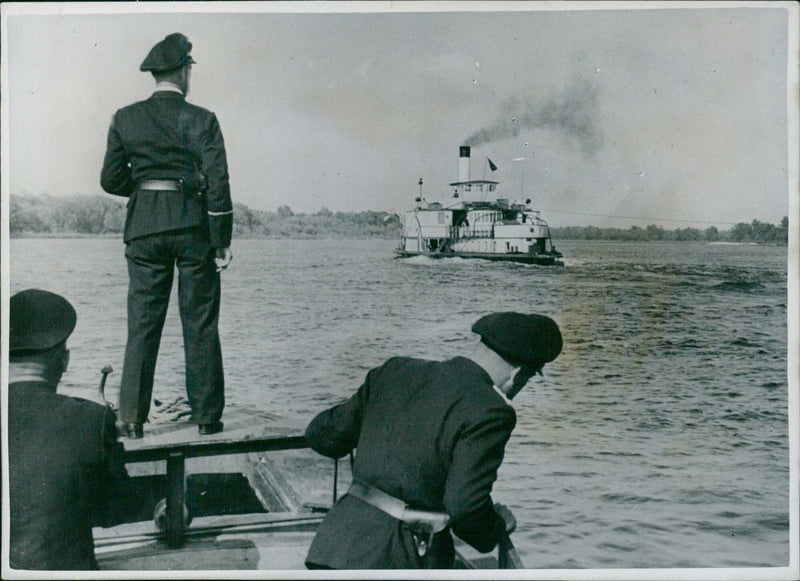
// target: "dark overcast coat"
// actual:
[[166, 138], [65, 476], [430, 433]]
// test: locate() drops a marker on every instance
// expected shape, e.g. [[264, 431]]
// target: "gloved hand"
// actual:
[[507, 516], [222, 258]]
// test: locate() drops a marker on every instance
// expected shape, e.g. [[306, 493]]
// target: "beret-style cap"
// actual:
[[531, 340], [169, 54], [38, 320]]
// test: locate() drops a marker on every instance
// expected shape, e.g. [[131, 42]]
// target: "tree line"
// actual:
[[104, 215], [98, 214], [754, 232]]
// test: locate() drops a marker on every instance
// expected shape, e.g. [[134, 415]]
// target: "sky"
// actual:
[[632, 114]]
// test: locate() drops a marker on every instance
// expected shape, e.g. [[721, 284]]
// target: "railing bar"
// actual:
[[335, 479], [216, 448], [507, 556], [208, 529]]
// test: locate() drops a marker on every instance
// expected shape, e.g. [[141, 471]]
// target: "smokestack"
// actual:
[[463, 163]]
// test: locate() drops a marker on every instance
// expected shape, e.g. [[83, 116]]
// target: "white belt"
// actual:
[[422, 521], [167, 185]]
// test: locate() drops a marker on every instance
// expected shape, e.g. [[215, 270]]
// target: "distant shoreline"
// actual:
[[117, 235], [45, 216]]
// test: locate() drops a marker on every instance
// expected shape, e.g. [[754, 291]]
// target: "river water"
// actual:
[[659, 437]]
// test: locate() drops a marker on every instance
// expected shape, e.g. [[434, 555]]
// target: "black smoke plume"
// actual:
[[571, 113]]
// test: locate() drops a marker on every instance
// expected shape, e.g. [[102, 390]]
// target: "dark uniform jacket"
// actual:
[[166, 138], [64, 477], [432, 434]]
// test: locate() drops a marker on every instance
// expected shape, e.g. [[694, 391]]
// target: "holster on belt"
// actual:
[[193, 184], [423, 524]]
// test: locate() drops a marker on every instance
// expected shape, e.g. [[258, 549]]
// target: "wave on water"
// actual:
[[739, 285], [570, 262], [733, 244]]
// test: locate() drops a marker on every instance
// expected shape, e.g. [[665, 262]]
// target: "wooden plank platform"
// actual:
[[263, 542], [242, 425], [245, 446]]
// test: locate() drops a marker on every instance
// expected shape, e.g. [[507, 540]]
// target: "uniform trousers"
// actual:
[[151, 266]]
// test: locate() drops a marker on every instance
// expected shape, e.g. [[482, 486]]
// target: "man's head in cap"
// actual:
[[170, 60], [39, 324], [524, 342]]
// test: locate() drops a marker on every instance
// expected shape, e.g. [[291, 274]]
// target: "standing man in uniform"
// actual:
[[430, 436], [168, 157], [66, 473]]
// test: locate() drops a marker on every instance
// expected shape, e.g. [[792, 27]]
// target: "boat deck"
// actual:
[[267, 449], [245, 542], [256, 495]]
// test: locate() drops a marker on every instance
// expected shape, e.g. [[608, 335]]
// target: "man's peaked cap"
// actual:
[[38, 321], [520, 339], [169, 54]]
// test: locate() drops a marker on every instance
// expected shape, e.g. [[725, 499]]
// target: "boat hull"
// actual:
[[537, 259]]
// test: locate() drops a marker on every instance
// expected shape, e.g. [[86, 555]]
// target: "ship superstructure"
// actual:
[[476, 223]]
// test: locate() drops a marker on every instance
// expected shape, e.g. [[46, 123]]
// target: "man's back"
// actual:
[[429, 433], [166, 138], [164, 135], [416, 417], [60, 477]]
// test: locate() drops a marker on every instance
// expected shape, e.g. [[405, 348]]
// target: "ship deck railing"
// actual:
[[175, 455]]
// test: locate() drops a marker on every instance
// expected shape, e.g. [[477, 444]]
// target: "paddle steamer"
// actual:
[[477, 223]]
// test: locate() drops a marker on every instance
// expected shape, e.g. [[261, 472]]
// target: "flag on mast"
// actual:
[[492, 166]]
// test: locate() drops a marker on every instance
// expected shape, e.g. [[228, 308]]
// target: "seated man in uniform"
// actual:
[[65, 470], [430, 436]]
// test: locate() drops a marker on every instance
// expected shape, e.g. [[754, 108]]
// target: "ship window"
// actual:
[[491, 187], [480, 188], [441, 217]]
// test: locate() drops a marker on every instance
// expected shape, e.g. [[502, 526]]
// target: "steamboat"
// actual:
[[477, 223]]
